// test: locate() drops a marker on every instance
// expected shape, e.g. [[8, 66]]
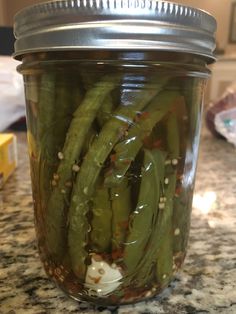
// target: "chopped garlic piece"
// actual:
[[101, 279]]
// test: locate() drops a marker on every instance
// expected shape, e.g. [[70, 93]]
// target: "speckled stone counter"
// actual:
[[206, 285]]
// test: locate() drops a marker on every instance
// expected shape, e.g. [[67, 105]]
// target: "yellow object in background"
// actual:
[[8, 156]]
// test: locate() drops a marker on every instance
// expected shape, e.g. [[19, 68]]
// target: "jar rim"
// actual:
[[114, 25]]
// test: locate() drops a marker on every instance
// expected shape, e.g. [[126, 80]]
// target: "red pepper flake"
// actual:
[[137, 117], [117, 254], [113, 157], [123, 130], [126, 161], [178, 259], [133, 295], [33, 155], [144, 115], [147, 141], [72, 287], [157, 144], [124, 224], [126, 126], [108, 172], [114, 299], [178, 191]]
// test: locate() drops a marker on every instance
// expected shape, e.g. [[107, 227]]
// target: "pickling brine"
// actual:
[[113, 154]]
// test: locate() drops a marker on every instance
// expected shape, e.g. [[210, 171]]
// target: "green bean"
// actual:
[[89, 172], [67, 104], [193, 94], [181, 221], [161, 240], [106, 110], [108, 137], [165, 254], [145, 267], [32, 91], [173, 140], [121, 206], [141, 220], [127, 150], [46, 111], [91, 135], [75, 138], [101, 222], [183, 200], [160, 233], [101, 234]]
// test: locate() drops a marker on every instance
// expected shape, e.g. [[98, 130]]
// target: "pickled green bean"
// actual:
[[192, 92], [106, 110], [144, 269], [181, 222], [164, 254], [127, 150], [121, 206], [165, 251], [161, 240], [69, 157], [46, 111], [141, 220], [101, 234], [89, 172]]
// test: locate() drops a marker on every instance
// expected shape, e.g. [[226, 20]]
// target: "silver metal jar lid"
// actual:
[[114, 25]]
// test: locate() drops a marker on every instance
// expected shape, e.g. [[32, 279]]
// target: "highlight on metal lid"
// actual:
[[114, 25]]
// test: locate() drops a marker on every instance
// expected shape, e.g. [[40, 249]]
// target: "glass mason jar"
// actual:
[[113, 135]]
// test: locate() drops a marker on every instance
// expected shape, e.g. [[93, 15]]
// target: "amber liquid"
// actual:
[[125, 221]]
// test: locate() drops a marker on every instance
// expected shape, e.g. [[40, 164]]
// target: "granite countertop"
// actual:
[[207, 283]]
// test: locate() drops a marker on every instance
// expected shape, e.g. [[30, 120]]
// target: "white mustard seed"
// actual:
[[166, 181], [56, 177], [177, 232], [161, 205], [60, 155], [76, 168], [148, 294], [174, 162], [54, 183], [61, 278], [68, 184]]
